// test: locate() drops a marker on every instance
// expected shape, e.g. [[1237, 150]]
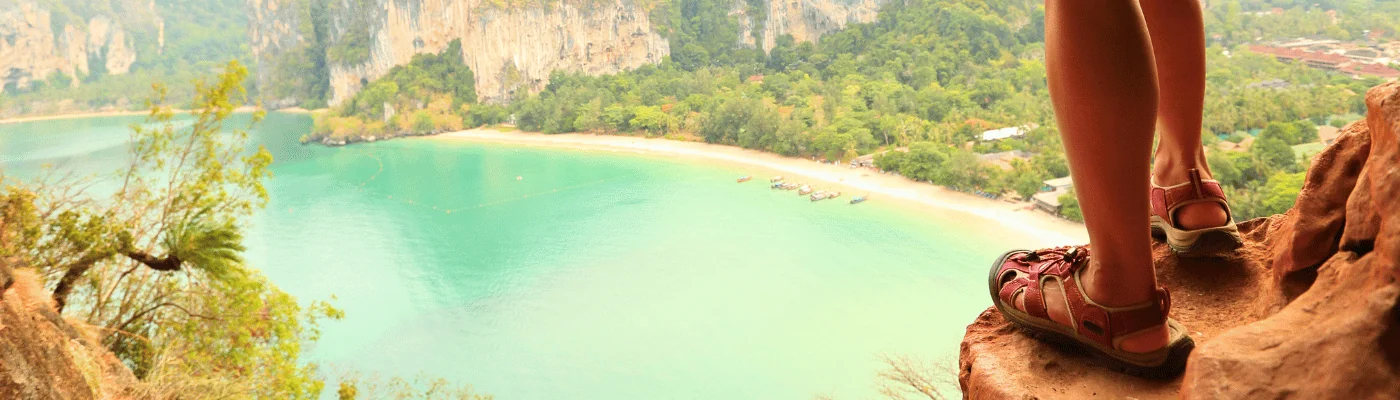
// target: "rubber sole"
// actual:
[[1210, 242], [1173, 365]]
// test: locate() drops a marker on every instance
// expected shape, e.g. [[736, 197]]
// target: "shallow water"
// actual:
[[547, 274]]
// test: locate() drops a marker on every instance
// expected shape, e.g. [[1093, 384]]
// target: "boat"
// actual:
[[789, 186], [833, 195], [745, 178], [778, 178], [858, 200], [804, 190], [776, 185], [819, 196]]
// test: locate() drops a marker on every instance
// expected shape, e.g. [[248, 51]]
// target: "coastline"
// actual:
[[1052, 230], [116, 113]]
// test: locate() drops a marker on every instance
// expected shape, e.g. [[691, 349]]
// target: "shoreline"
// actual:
[[1051, 230], [123, 113]]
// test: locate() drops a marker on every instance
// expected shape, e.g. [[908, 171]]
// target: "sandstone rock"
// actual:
[[1329, 184], [1261, 332]]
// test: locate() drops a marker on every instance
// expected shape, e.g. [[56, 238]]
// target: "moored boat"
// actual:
[[778, 178], [745, 178], [789, 186], [833, 195], [804, 190], [776, 185], [858, 199], [819, 196]]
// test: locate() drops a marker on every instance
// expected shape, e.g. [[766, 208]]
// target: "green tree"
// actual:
[[1069, 207], [158, 265], [1280, 193]]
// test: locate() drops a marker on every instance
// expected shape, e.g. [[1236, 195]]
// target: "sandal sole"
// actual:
[[1173, 365], [1210, 242]]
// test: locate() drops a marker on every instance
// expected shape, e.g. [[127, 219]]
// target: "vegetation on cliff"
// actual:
[[432, 93]]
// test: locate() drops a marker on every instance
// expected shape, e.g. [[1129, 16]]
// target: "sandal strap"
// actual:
[[1166, 200], [1093, 322]]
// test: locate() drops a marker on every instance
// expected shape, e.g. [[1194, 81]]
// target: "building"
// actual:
[[1327, 134], [1058, 184], [1323, 61], [864, 161], [1359, 62], [1048, 201], [1366, 70], [1011, 131]]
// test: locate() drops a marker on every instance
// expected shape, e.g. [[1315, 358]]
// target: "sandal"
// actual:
[[1097, 328], [1199, 242]]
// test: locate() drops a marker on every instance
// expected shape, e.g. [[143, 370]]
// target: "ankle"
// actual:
[[1110, 285], [1172, 166]]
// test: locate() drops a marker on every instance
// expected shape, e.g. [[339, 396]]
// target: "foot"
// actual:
[[1167, 171], [1054, 300]]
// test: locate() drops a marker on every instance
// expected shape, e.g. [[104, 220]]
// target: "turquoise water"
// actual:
[[592, 276]]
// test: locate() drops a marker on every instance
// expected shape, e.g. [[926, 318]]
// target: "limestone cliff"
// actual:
[[511, 49], [808, 20], [508, 50], [36, 42]]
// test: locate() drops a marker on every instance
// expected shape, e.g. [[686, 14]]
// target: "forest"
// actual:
[[926, 79]]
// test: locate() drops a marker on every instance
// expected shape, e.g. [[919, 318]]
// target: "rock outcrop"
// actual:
[[43, 356], [1310, 308], [36, 42]]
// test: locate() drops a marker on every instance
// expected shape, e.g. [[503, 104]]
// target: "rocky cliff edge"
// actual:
[[43, 356], [1309, 309]]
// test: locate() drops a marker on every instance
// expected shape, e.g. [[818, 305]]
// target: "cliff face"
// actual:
[[36, 42], [808, 20], [43, 356], [1309, 308], [510, 50]]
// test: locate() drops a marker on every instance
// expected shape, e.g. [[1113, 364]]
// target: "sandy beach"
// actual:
[[881, 187], [113, 113]]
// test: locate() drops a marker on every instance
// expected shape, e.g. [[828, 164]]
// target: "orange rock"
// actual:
[[1269, 321]]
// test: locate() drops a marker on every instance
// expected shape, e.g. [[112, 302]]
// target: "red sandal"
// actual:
[[1199, 242], [1097, 328]]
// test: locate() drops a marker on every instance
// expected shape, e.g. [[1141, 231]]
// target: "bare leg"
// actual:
[[1103, 85], [1179, 45]]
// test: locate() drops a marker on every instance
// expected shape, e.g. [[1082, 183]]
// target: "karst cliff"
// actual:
[[38, 41], [1309, 309], [509, 48]]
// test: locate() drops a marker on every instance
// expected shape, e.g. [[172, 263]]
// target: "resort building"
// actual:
[[1049, 197], [1359, 62], [1011, 131], [1058, 184], [1048, 201]]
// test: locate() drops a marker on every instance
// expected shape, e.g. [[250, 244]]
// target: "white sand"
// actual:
[[92, 114], [1046, 229]]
